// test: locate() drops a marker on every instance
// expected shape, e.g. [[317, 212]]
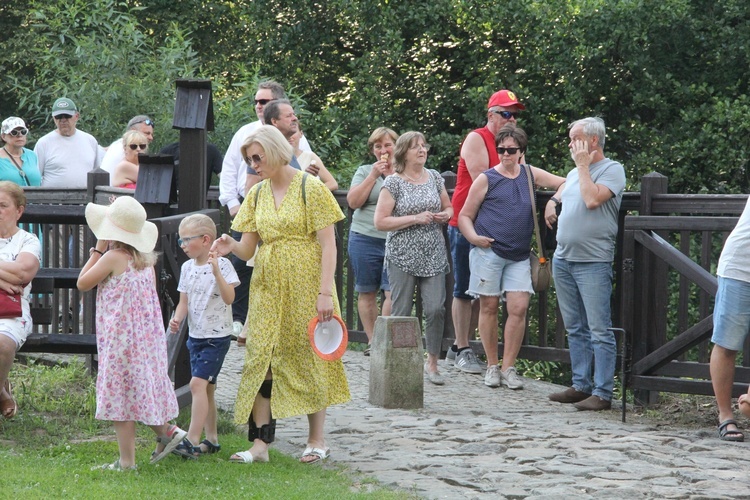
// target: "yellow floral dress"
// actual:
[[283, 293]]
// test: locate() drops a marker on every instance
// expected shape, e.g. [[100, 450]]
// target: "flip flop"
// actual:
[[320, 454], [734, 435], [245, 457], [8, 407]]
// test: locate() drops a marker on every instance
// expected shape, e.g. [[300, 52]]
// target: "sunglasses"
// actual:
[[507, 114], [147, 121], [185, 241], [20, 131], [510, 151], [263, 102], [254, 159], [63, 117], [138, 146]]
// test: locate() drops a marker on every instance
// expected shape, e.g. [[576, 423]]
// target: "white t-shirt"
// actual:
[[66, 161], [734, 262], [113, 157], [208, 315], [22, 241]]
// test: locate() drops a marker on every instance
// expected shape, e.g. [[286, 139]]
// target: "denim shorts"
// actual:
[[207, 356], [731, 314], [366, 254], [491, 275], [460, 248]]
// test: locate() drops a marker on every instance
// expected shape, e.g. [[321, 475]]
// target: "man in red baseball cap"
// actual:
[[478, 154]]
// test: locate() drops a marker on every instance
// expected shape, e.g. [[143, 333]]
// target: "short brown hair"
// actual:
[[277, 91], [378, 134], [402, 147], [515, 133]]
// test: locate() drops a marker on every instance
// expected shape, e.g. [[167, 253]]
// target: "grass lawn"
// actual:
[[52, 447]]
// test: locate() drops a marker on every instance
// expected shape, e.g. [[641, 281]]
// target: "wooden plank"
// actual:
[[60, 343], [681, 263], [53, 214], [693, 369], [680, 385], [676, 223], [669, 351], [698, 203], [66, 277]]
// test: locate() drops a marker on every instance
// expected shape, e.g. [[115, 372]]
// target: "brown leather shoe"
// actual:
[[594, 403], [569, 395]]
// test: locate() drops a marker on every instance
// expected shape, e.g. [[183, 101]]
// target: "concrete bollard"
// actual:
[[396, 363]]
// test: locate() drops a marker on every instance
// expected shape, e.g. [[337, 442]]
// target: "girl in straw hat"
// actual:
[[133, 381]]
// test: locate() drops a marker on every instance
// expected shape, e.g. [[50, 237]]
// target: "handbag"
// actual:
[[541, 272], [10, 305]]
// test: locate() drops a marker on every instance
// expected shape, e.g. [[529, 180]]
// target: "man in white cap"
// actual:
[[478, 153], [66, 155], [115, 153]]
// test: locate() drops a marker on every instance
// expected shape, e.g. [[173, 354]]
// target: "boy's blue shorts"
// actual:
[[207, 356]]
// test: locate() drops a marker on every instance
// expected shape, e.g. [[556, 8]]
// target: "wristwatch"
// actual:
[[557, 202]]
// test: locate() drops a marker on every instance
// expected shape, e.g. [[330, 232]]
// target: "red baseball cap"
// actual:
[[504, 98]]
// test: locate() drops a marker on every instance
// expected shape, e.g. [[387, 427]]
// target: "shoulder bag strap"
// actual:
[[533, 212]]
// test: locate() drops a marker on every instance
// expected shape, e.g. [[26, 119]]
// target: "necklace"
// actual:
[[11, 154], [418, 180], [18, 166]]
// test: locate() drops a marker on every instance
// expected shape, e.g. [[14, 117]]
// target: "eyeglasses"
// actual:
[[417, 146], [510, 151], [185, 241], [506, 114], [254, 159], [63, 117], [20, 131], [263, 102], [138, 146]]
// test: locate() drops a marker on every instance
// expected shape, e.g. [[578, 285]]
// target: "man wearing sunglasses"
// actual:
[[66, 155], [115, 154], [477, 154], [232, 189]]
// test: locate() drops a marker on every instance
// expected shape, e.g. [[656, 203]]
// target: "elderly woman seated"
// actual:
[[125, 174], [20, 253]]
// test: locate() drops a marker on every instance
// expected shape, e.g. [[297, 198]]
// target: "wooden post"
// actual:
[[193, 116], [651, 330]]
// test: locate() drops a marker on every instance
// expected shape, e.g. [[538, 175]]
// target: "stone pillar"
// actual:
[[396, 361]]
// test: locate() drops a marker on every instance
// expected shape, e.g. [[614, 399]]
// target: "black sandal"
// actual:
[[735, 435], [210, 447]]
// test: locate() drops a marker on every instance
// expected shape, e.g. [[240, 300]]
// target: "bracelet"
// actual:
[[92, 250], [557, 202]]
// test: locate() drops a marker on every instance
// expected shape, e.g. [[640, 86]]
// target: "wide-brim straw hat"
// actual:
[[124, 221]]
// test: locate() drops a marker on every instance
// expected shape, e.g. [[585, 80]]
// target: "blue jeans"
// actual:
[[583, 295], [460, 249]]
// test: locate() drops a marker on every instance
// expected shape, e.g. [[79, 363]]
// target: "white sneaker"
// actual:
[[510, 378], [492, 377]]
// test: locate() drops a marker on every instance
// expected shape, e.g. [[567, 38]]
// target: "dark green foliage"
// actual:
[[669, 78]]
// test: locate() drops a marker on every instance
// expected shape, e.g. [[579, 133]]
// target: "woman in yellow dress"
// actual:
[[292, 282]]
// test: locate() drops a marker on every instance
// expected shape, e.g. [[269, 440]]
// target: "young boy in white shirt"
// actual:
[[206, 289]]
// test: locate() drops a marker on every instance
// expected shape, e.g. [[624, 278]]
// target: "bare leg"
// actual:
[[461, 310], [212, 433], [199, 409], [722, 379], [488, 307], [386, 307], [367, 306], [744, 401], [315, 437], [432, 363], [125, 432], [517, 303], [7, 355]]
